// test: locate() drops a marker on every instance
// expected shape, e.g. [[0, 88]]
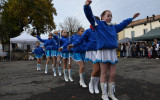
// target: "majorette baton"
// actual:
[[69, 49], [59, 33], [95, 22]]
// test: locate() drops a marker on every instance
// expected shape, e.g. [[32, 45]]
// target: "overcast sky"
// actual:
[[121, 9]]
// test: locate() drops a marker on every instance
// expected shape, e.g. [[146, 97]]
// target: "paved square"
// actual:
[[137, 79]]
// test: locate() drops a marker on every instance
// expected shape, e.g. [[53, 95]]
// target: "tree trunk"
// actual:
[[38, 31]]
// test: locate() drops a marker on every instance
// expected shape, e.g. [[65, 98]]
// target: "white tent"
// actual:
[[23, 38]]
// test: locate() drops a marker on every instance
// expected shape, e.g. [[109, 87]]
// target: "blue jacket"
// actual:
[[52, 44], [106, 35], [79, 48], [64, 40], [38, 51], [48, 47], [89, 37]]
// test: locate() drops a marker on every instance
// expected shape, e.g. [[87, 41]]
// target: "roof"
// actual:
[[143, 21], [125, 40]]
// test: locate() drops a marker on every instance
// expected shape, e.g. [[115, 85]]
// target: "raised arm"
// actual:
[[42, 40], [88, 13], [125, 23]]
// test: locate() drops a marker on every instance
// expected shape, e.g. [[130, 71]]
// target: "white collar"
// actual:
[[107, 23]]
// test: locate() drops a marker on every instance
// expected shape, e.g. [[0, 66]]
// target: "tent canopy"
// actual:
[[23, 38], [151, 35], [125, 40]]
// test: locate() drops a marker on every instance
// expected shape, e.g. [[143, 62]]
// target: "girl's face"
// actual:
[[50, 36], [107, 17], [81, 31], [56, 33], [64, 33], [37, 44]]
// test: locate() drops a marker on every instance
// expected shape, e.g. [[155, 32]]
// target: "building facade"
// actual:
[[140, 27]]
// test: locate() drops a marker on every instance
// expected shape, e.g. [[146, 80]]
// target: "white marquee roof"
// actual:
[[24, 37]]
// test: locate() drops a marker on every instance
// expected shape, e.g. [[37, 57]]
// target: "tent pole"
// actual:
[[10, 51]]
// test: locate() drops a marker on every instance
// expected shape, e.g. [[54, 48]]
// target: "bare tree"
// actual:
[[71, 24]]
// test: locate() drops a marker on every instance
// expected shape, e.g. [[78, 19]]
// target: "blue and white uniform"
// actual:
[[39, 52], [48, 47], [54, 45], [79, 49], [58, 38], [65, 53], [106, 37], [89, 37]]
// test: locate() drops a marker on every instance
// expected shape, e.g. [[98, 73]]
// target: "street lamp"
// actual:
[[150, 19]]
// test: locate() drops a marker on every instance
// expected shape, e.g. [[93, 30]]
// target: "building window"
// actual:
[[28, 47], [132, 34], [145, 31]]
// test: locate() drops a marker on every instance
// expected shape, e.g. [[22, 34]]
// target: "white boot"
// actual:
[[54, 72], [81, 82], [46, 69], [59, 71], [111, 90], [91, 83], [96, 81], [65, 75], [39, 66], [70, 74], [104, 91]]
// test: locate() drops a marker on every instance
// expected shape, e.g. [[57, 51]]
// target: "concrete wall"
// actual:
[[121, 35]]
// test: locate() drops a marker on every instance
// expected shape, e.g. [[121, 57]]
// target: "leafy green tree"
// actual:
[[17, 14]]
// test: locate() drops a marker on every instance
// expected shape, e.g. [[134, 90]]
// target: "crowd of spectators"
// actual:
[[139, 50]]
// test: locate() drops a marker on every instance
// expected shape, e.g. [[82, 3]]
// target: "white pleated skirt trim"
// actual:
[[107, 55], [91, 56]]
